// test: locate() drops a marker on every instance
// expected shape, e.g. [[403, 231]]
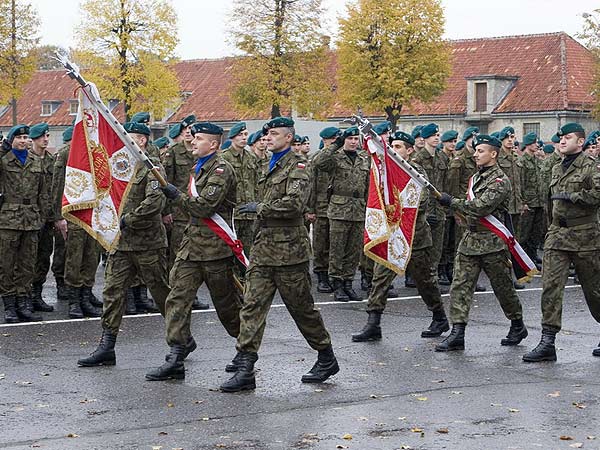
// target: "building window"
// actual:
[[533, 127], [480, 97], [73, 107], [46, 109]]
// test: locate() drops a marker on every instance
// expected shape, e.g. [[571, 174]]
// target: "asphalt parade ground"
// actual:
[[394, 394]]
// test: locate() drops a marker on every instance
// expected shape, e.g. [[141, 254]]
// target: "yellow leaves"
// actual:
[[416, 430], [347, 437], [422, 399]]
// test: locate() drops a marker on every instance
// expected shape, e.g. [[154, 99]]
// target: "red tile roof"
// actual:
[[554, 73]]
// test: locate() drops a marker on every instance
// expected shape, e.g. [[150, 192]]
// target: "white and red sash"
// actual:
[[221, 228], [500, 230]]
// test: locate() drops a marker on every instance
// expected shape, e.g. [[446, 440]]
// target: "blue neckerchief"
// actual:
[[20, 154], [276, 157], [202, 160]]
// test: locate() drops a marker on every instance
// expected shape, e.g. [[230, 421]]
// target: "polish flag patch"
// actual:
[[219, 170], [301, 165], [499, 180]]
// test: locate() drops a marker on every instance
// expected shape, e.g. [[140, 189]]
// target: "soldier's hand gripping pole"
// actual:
[[92, 93]]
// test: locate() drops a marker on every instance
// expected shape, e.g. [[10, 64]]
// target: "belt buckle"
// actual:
[[562, 222]]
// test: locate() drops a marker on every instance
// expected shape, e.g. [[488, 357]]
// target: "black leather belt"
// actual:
[[563, 222]]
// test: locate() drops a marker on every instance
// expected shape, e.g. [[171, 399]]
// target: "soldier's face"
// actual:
[[140, 139], [240, 140], [187, 134], [450, 146], [570, 144], [305, 148], [420, 142], [296, 147], [433, 141], [402, 148], [204, 144], [351, 143], [509, 141], [485, 155], [20, 142], [278, 139], [42, 142], [261, 144]]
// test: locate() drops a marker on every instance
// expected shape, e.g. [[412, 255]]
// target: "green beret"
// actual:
[[175, 131], [38, 130], [305, 139], [402, 136], [161, 142], [449, 135], [225, 145], [206, 128], [141, 117], [297, 139], [416, 132], [330, 132], [236, 129], [17, 130], [67, 135], [383, 127], [540, 143], [548, 148], [470, 132], [486, 139], [188, 121], [594, 134], [321, 144], [352, 131], [136, 127], [504, 132], [461, 144], [279, 122], [529, 138], [495, 134], [570, 128], [254, 137], [555, 138], [429, 130]]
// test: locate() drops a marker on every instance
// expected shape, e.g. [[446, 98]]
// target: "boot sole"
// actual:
[[543, 358], [177, 376], [76, 316], [509, 343], [248, 387], [324, 291], [449, 349], [369, 339], [15, 320], [335, 370], [103, 363]]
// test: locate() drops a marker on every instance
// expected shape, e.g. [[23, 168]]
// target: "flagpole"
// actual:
[[130, 144]]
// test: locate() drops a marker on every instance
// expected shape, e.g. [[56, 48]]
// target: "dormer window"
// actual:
[[485, 93], [480, 97], [49, 107], [73, 107]]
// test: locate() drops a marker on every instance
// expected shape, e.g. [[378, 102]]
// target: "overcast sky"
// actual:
[[464, 19]]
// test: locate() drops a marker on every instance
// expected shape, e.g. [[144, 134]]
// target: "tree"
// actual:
[[45, 56], [19, 24], [591, 37], [391, 54], [125, 47], [285, 56]]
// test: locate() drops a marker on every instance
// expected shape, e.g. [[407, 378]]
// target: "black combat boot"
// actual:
[[10, 309], [323, 285], [88, 310], [442, 277], [60, 289], [450, 271], [409, 281], [198, 305], [350, 292], [72, 294], [104, 355], [234, 365], [25, 309], [391, 292], [190, 347], [518, 285], [243, 380], [37, 301], [456, 340], [439, 324], [596, 351], [516, 334], [173, 368], [545, 350], [143, 304], [130, 308], [325, 367], [339, 294], [93, 299], [366, 282], [372, 330]]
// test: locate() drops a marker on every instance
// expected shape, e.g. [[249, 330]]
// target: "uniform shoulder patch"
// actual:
[[219, 170], [154, 185], [301, 165]]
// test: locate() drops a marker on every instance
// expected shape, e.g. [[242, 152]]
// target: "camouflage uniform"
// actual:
[[573, 237], [141, 249], [460, 170], [532, 221], [279, 258], [480, 249], [507, 161], [318, 205], [448, 240], [203, 257], [545, 179]]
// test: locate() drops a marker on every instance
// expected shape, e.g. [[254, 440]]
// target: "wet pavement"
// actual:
[[394, 394]]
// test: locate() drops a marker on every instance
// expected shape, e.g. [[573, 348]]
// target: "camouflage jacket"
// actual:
[[141, 213], [545, 178], [321, 180], [508, 164], [48, 170], [461, 168], [215, 184], [582, 230], [58, 181], [247, 171], [531, 188], [492, 193], [349, 183], [422, 233], [436, 168], [282, 238], [178, 161], [25, 193]]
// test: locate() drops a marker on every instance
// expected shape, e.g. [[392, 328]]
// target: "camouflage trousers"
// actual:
[[345, 247], [366, 265], [185, 279], [245, 230], [18, 251], [120, 270], [419, 267], [449, 241], [320, 244], [59, 255], [466, 273], [532, 227], [50, 245], [516, 223], [437, 245], [175, 236], [82, 256], [294, 285], [554, 277]]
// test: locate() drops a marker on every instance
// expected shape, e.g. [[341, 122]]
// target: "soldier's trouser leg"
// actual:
[[448, 245], [466, 274], [82, 256], [427, 286], [44, 252], [10, 245], [175, 236], [245, 233], [25, 261], [529, 221], [587, 268], [345, 238], [437, 238], [496, 267], [516, 222], [58, 256], [320, 240], [151, 266], [366, 264], [382, 279], [91, 259]]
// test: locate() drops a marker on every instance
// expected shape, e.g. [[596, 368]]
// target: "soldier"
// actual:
[[22, 206], [445, 267], [203, 256], [297, 144], [553, 157], [349, 172], [279, 262], [162, 144], [573, 237], [82, 252], [419, 141], [419, 265], [140, 250], [305, 146], [533, 210], [258, 144], [246, 169], [480, 248]]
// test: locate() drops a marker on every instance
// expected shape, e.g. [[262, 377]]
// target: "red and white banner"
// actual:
[[527, 266], [98, 172], [221, 228], [392, 208]]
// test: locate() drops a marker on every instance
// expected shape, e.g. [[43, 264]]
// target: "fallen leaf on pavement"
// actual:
[[170, 405], [554, 394], [513, 410], [565, 438], [422, 399], [72, 435], [579, 405], [341, 446], [576, 445], [442, 430], [347, 437], [162, 433], [416, 430]]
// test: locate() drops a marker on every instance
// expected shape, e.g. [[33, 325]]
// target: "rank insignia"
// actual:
[[211, 190], [295, 184], [154, 185]]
